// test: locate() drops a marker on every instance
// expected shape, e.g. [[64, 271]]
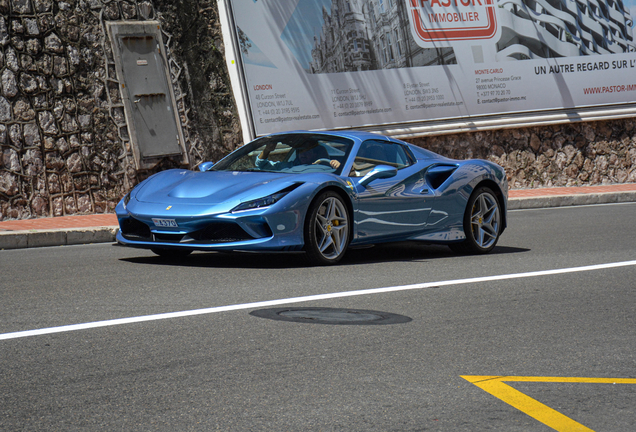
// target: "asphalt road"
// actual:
[[231, 370]]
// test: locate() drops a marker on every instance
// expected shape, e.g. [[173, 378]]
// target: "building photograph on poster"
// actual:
[[402, 64], [357, 35], [541, 29]]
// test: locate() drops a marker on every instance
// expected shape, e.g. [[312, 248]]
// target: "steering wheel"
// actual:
[[323, 161]]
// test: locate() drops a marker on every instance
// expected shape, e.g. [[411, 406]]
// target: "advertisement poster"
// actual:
[[323, 64]]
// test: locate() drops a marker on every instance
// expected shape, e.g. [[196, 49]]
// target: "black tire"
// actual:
[[482, 223], [327, 229], [171, 253]]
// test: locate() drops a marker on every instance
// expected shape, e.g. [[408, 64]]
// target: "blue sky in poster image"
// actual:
[[305, 23], [631, 6], [255, 56]]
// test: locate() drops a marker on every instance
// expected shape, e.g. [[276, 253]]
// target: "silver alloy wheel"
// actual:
[[485, 220], [331, 228]]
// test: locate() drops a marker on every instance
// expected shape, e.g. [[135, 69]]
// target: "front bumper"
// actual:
[[266, 229]]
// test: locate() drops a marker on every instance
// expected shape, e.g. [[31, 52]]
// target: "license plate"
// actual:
[[165, 222]]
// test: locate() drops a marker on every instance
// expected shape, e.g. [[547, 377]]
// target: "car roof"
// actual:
[[355, 135], [363, 136]]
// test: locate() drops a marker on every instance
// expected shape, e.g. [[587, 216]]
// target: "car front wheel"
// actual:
[[482, 223], [327, 230]]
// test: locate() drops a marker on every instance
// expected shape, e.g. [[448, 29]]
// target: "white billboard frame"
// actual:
[[414, 128]]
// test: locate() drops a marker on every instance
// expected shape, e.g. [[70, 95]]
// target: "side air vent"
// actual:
[[438, 174]]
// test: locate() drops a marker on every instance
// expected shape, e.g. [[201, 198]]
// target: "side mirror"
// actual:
[[205, 166], [380, 171]]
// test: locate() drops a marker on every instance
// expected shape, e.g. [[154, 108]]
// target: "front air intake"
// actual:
[[132, 229], [221, 232]]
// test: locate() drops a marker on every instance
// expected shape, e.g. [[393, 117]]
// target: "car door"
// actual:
[[388, 207]]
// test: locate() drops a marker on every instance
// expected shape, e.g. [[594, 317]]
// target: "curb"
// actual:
[[571, 200], [56, 237], [75, 236]]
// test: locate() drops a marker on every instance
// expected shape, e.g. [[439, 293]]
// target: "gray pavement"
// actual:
[[231, 370]]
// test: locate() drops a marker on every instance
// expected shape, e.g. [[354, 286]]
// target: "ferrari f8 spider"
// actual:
[[318, 193]]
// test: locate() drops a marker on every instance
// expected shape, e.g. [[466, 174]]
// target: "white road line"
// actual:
[[269, 303]]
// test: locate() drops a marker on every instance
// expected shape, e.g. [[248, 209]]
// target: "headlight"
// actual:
[[261, 202], [126, 200], [266, 201]]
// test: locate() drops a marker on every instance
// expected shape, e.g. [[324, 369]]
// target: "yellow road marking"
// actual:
[[496, 386]]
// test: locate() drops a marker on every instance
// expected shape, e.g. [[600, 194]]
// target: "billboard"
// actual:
[[412, 67]]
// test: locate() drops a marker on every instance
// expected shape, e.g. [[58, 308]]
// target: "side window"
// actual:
[[373, 153], [280, 152], [404, 157]]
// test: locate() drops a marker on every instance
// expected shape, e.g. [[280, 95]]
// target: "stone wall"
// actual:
[[573, 154], [64, 145], [197, 46]]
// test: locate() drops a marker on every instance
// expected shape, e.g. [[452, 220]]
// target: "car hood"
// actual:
[[211, 187]]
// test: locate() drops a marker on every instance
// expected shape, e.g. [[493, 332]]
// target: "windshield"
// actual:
[[291, 153]]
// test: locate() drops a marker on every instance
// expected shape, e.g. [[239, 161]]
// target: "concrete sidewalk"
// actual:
[[101, 228]]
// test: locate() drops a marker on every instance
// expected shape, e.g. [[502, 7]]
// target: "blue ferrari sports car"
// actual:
[[321, 193]]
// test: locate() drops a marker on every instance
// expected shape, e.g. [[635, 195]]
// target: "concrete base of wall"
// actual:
[[571, 200], [58, 237]]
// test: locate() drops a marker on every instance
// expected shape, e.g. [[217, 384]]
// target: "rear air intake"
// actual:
[[437, 175]]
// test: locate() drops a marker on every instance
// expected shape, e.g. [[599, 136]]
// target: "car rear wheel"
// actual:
[[327, 230], [482, 223], [171, 253]]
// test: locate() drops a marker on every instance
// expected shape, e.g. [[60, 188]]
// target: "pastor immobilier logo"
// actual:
[[437, 21]]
